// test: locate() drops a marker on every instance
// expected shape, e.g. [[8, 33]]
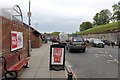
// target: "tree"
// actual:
[[85, 26], [102, 18], [96, 19], [55, 33], [116, 14], [116, 7]]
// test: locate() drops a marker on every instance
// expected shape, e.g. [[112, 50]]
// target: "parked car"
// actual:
[[48, 39], [97, 43], [116, 43], [63, 38], [76, 43], [54, 39], [107, 42]]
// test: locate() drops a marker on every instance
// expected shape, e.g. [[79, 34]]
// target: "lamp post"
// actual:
[[29, 22]]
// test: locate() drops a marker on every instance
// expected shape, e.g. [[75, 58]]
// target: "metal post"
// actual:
[[70, 76], [29, 22]]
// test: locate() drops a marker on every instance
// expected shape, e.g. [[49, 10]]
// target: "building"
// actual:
[[14, 36]]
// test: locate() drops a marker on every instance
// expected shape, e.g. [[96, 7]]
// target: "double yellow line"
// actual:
[[69, 70]]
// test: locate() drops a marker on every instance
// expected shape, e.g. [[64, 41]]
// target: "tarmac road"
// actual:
[[94, 63]]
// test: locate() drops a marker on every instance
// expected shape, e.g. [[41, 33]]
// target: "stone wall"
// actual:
[[108, 36]]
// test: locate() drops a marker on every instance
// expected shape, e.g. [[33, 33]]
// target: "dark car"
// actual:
[[107, 42], [119, 44], [76, 43]]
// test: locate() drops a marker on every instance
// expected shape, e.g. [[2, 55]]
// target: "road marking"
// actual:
[[116, 60], [70, 70], [101, 52], [106, 52], [110, 55], [111, 60], [100, 55]]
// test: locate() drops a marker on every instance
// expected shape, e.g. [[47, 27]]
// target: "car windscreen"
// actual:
[[78, 39], [97, 40]]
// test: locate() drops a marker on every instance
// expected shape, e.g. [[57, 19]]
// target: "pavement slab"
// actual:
[[39, 65]]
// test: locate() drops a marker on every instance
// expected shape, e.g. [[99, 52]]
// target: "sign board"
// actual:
[[29, 14], [16, 40], [75, 35], [57, 57]]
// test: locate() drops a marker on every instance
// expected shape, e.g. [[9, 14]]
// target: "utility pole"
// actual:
[[29, 22]]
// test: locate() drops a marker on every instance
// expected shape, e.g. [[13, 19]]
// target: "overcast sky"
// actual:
[[59, 15]]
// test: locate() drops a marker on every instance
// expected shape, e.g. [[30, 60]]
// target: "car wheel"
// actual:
[[93, 45], [83, 50], [101, 45], [69, 49]]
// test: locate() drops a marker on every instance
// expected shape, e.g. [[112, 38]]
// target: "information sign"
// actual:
[[57, 56]]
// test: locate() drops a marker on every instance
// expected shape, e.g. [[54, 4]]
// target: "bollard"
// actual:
[[70, 76]]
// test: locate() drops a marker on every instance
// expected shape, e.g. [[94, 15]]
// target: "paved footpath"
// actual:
[[39, 65]]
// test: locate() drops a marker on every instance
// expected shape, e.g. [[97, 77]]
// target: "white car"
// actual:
[[97, 43]]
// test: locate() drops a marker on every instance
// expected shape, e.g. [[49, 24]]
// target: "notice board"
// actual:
[[16, 40], [57, 57]]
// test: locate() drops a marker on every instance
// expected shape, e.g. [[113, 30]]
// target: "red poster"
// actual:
[[57, 53], [14, 40]]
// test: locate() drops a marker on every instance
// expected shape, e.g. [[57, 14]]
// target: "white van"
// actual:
[[63, 37]]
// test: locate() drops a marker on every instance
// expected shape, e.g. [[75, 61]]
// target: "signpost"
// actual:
[[75, 35], [57, 57]]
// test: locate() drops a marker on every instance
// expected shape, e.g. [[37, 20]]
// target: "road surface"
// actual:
[[95, 62]]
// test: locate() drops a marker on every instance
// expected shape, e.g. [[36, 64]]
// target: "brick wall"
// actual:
[[36, 42], [7, 27]]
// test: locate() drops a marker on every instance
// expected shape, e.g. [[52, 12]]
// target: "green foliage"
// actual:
[[102, 18], [56, 33], [116, 9], [47, 33], [101, 28], [85, 26], [70, 34]]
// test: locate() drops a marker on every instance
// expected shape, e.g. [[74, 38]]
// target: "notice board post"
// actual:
[[57, 57]]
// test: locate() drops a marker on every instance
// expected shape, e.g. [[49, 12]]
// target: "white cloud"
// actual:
[[58, 15]]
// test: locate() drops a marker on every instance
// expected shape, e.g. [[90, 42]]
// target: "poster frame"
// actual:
[[57, 67], [18, 47]]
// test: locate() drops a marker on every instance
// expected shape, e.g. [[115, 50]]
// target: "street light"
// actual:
[[29, 22]]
